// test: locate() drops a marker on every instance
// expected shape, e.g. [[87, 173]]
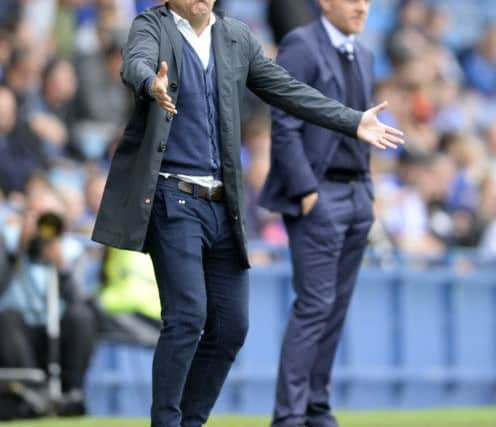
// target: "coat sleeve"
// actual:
[[274, 85], [141, 53], [287, 139]]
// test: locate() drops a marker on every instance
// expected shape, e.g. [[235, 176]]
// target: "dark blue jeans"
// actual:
[[204, 296], [327, 247]]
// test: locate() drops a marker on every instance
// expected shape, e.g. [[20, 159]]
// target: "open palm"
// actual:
[[372, 131], [159, 90]]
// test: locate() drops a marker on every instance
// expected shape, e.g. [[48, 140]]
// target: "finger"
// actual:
[[169, 107], [378, 144], [394, 139], [169, 110], [378, 108], [393, 131], [168, 104], [163, 97], [386, 143], [162, 72]]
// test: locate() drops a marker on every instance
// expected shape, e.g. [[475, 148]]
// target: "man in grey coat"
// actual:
[[175, 186]]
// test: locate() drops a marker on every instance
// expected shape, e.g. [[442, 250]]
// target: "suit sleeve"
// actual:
[[141, 53], [274, 85], [287, 140]]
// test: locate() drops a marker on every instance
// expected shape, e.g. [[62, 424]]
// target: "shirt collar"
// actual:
[[337, 37], [183, 22]]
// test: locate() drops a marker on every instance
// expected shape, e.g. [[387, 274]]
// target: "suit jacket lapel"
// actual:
[[175, 38], [365, 72], [331, 56]]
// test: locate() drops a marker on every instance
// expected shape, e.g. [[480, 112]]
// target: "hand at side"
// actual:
[[308, 202]]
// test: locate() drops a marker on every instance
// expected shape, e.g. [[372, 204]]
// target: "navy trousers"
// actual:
[[327, 247], [204, 296]]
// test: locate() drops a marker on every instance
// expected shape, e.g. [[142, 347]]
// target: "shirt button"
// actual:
[[169, 117], [162, 147], [173, 87], [148, 201], [235, 217]]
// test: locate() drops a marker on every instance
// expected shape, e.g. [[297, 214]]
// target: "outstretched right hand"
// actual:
[[158, 89]]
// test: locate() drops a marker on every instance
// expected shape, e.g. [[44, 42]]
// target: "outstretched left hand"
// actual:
[[372, 131]]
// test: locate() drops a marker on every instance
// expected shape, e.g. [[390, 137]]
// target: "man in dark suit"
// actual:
[[326, 201], [175, 186]]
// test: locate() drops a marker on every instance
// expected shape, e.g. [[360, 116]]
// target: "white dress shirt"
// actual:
[[202, 45]]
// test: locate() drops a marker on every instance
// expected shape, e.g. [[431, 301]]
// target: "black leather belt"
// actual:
[[211, 194], [345, 175]]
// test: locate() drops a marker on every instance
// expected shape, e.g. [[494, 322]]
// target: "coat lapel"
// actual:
[[222, 42], [175, 38], [223, 52], [331, 56]]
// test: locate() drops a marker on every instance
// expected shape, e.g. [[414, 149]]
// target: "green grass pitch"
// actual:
[[438, 418]]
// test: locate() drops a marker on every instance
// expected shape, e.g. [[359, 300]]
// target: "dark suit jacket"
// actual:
[[127, 201], [301, 152]]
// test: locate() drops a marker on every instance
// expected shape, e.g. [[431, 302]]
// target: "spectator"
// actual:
[[103, 101], [5, 51], [20, 150], [23, 73], [489, 134], [479, 63], [49, 112], [412, 13], [93, 195], [23, 309], [403, 205], [10, 14]]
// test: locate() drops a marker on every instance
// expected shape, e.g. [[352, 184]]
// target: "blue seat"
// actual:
[[119, 381], [416, 336]]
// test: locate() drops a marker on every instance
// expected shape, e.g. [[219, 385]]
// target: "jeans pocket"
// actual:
[[178, 205]]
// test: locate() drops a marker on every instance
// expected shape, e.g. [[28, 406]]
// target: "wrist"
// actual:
[[148, 86]]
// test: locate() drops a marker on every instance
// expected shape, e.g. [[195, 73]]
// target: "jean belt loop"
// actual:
[[195, 190]]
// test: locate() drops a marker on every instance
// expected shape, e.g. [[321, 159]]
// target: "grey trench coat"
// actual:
[[123, 217]]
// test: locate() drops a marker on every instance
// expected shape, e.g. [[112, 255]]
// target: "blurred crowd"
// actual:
[[440, 192], [63, 108]]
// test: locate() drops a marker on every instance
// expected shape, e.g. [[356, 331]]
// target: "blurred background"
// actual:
[[422, 328]]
